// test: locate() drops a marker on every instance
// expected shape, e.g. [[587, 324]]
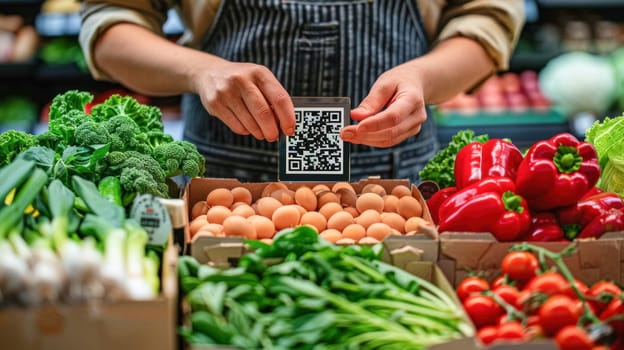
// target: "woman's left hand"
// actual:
[[393, 110]]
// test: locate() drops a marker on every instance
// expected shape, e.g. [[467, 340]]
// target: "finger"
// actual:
[[402, 109], [261, 112], [387, 137], [280, 102], [242, 114], [228, 118], [378, 97]]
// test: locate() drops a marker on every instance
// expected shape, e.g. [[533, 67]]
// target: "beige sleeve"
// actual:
[[98, 17], [495, 24]]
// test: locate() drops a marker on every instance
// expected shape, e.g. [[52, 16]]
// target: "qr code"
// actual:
[[316, 146]]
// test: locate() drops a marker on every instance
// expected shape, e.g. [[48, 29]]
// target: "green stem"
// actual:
[[567, 159], [512, 202], [510, 311]]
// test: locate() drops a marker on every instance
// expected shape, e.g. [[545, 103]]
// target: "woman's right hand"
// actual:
[[247, 97]]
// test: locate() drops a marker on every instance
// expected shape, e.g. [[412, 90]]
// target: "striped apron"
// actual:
[[314, 48]]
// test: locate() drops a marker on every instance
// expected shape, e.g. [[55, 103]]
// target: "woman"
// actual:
[[239, 62]]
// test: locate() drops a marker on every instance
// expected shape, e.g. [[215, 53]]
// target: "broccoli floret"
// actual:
[[12, 143], [91, 133], [65, 125], [155, 138], [138, 172], [180, 157], [51, 140], [148, 118], [124, 134]]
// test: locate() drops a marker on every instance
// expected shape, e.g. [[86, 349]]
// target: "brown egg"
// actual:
[[340, 220], [368, 217], [244, 210], [301, 209], [272, 187], [285, 196], [241, 194], [327, 197], [267, 205], [199, 208], [220, 196], [369, 201], [368, 240], [320, 188], [401, 191], [354, 231], [330, 209], [237, 204], [217, 214], [374, 188], [409, 207], [354, 212], [394, 220], [196, 224], [215, 229], [417, 223], [391, 203], [347, 197], [201, 234], [314, 218], [379, 231], [342, 185], [285, 216], [331, 235], [238, 226], [305, 197], [264, 226], [345, 241]]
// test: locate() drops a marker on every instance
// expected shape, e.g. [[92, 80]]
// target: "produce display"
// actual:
[[338, 212], [61, 244], [549, 193], [607, 136], [120, 142], [301, 292], [536, 297]]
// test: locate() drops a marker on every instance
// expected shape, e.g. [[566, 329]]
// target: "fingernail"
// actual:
[[348, 135], [290, 131]]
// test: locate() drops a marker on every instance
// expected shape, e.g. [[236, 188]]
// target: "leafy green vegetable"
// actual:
[[12, 143], [607, 136], [305, 293], [440, 168]]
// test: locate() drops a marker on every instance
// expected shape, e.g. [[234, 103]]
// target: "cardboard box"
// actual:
[[204, 248], [465, 253], [126, 325], [407, 258]]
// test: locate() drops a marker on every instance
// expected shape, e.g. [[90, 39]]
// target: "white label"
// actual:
[[153, 217]]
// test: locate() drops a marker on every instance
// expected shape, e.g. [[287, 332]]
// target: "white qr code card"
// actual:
[[316, 152]]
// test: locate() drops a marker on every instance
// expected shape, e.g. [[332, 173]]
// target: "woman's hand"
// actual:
[[247, 98], [393, 110]]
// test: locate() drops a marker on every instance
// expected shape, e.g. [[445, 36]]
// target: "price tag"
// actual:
[[153, 216]]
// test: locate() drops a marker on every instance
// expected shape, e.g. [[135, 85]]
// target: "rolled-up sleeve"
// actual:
[[98, 16], [495, 24]]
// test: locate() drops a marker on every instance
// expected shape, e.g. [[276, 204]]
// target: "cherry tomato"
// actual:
[[557, 312], [487, 335], [483, 310], [519, 266], [511, 331], [470, 285], [573, 338], [601, 293], [582, 288], [549, 283], [509, 294], [499, 281], [613, 313]]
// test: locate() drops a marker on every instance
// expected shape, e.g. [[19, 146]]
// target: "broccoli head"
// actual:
[[51, 140], [139, 173], [124, 134], [180, 157], [148, 118], [91, 133], [12, 143], [65, 125]]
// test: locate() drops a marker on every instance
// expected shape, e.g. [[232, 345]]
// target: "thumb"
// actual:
[[374, 102]]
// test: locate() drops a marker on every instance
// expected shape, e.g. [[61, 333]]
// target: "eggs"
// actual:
[[341, 213]]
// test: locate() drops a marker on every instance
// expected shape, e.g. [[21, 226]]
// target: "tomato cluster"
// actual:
[[527, 302]]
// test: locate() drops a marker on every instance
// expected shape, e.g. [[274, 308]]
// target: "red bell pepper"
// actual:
[[544, 228], [434, 202], [611, 220], [557, 172], [490, 205], [476, 161], [575, 218]]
